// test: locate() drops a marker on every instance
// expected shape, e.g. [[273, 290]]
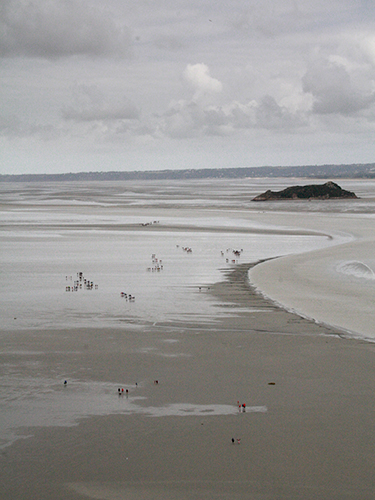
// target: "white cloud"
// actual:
[[198, 118], [198, 75]]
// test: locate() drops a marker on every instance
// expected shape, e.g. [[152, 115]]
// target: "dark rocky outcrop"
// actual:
[[326, 191]]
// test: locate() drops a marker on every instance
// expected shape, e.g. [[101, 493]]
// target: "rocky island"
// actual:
[[326, 191]]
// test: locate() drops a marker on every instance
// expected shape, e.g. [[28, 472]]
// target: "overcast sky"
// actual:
[[97, 85]]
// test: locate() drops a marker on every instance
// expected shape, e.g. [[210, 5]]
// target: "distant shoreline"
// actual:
[[339, 171]]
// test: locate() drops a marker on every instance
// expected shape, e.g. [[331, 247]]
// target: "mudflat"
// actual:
[[307, 432]]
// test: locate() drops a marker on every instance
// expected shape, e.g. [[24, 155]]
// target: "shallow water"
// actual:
[[52, 232]]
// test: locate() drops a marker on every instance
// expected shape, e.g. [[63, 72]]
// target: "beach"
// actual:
[[202, 338]]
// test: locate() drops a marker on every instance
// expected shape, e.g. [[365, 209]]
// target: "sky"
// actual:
[[102, 85]]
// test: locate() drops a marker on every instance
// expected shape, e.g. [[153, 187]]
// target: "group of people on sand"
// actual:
[[121, 391], [185, 249], [80, 283], [236, 253], [157, 264], [149, 223], [241, 407]]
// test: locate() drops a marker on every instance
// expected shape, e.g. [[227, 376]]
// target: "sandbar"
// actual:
[[312, 284]]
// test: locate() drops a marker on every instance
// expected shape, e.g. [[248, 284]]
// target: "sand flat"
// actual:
[[315, 440], [312, 284]]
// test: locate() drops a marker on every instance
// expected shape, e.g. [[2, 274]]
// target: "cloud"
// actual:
[[90, 104], [183, 119], [270, 115], [198, 75], [335, 90], [13, 127], [52, 29], [197, 117], [186, 119], [367, 45]]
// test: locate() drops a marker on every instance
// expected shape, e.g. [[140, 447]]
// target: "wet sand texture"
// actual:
[[316, 439]]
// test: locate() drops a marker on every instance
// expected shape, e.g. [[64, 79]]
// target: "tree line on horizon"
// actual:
[[359, 171]]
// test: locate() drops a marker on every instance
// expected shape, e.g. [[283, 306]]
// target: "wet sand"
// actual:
[[316, 439], [311, 283]]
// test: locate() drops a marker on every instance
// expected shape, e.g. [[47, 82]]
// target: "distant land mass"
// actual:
[[326, 191], [353, 171]]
